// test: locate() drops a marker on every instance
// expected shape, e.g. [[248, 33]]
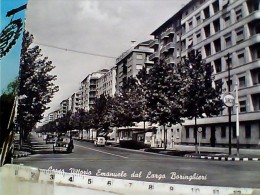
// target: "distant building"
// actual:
[[107, 83], [130, 62], [89, 89], [64, 107], [75, 101]]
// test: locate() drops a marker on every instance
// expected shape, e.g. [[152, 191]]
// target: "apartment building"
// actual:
[[75, 101], [130, 62], [89, 89], [107, 83], [65, 106], [220, 30]]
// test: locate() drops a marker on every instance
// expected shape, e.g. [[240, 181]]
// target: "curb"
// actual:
[[219, 158], [21, 155]]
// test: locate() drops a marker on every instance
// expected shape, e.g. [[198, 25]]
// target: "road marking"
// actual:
[[102, 151]]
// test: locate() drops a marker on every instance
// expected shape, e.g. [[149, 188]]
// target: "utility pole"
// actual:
[[229, 108]]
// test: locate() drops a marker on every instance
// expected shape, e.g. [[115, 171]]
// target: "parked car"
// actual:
[[100, 141], [63, 144], [50, 139]]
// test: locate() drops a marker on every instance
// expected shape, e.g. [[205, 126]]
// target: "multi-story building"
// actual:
[[107, 83], [89, 89], [75, 101], [130, 62], [220, 30], [64, 107]]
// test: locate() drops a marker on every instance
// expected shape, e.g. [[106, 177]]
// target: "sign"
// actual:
[[229, 100], [200, 129]]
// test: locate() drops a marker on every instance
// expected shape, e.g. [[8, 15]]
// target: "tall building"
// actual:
[[64, 107], [220, 30], [75, 101], [130, 62], [89, 89], [107, 83]]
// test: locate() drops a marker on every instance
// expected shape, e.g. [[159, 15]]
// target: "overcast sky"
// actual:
[[104, 27]]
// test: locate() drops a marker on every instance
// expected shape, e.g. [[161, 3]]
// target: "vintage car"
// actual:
[[63, 144], [50, 139], [100, 141]]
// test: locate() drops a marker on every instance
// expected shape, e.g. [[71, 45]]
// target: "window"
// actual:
[[227, 20], [206, 12], [242, 82], [228, 40], [241, 57], [207, 49], [242, 105], [218, 85], [216, 25], [187, 132], [247, 131], [198, 36], [217, 45], [240, 34], [223, 132], [218, 66], [198, 19], [216, 6], [190, 25], [203, 132], [238, 12], [207, 30]]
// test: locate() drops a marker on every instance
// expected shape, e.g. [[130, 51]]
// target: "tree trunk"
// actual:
[[165, 138]]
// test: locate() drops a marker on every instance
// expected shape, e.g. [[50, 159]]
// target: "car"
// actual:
[[63, 144], [50, 139], [100, 141]]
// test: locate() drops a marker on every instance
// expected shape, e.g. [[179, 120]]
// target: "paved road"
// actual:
[[129, 164]]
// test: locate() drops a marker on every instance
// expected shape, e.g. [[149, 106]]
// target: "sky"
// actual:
[[9, 64], [104, 27]]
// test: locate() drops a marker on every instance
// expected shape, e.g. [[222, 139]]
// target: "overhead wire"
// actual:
[[76, 51]]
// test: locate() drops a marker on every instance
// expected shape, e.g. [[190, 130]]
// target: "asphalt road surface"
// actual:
[[138, 165]]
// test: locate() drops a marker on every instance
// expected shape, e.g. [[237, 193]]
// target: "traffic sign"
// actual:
[[229, 100]]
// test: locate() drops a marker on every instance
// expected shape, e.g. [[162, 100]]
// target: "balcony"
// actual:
[[154, 43], [164, 49], [170, 60], [154, 56], [164, 35], [169, 31], [170, 46]]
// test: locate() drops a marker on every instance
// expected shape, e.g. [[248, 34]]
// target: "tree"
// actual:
[[36, 87], [127, 107], [7, 100], [100, 114], [200, 99], [162, 91]]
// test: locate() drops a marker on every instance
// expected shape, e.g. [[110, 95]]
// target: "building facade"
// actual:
[[89, 88], [75, 101], [107, 83], [130, 62], [227, 33]]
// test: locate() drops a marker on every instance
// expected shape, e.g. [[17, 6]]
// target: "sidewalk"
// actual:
[[210, 153], [36, 145]]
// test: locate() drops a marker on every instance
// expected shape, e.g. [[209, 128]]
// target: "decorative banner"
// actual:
[[12, 25]]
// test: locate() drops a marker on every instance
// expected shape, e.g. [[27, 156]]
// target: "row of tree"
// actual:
[[35, 88], [166, 94]]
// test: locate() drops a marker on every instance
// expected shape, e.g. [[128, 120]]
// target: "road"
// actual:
[[137, 165]]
